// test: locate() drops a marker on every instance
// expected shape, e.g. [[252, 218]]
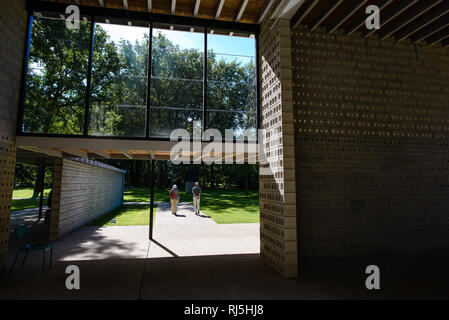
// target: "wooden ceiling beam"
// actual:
[[197, 8], [141, 14], [423, 21], [397, 24], [220, 7], [437, 37], [101, 154], [264, 10], [399, 7], [327, 10], [126, 154], [173, 7], [76, 152], [303, 11], [241, 10], [356, 5], [431, 29], [361, 22]]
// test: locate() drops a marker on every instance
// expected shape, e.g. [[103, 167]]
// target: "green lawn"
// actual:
[[231, 206], [126, 215], [142, 194], [27, 193], [221, 205], [28, 202]]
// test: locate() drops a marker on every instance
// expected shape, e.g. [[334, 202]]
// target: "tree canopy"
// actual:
[[57, 84]]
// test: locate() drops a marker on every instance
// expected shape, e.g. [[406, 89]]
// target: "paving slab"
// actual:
[[186, 234], [25, 216]]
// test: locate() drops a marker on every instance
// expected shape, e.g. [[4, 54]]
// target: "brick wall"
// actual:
[[276, 179], [83, 191], [12, 35], [371, 143]]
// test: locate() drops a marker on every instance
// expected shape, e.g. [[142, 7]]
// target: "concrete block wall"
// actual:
[[372, 145], [12, 36], [82, 192], [277, 178]]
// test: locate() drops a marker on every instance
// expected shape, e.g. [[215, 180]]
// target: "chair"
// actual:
[[23, 244]]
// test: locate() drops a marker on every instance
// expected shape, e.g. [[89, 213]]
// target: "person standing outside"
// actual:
[[196, 191], [174, 199]]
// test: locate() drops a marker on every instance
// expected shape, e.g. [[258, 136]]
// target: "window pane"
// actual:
[[176, 80], [119, 80], [231, 83], [57, 77]]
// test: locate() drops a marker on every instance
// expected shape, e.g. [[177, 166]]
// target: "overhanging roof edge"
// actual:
[[36, 5]]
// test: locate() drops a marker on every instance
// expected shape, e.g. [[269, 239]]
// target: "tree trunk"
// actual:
[[39, 178], [212, 182], [246, 178], [133, 174]]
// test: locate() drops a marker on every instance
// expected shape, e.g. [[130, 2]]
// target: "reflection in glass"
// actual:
[[176, 81], [231, 84], [119, 80], [57, 77], [55, 96]]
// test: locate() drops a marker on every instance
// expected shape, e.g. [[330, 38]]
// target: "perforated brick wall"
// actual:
[[81, 193], [277, 178], [372, 148], [12, 26]]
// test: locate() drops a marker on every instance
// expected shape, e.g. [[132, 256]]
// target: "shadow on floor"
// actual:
[[232, 277]]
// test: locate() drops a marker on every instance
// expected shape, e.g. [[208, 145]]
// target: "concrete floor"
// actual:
[[186, 235], [25, 216], [194, 258], [229, 277]]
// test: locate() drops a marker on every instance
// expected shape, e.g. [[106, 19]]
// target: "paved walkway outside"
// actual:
[[25, 216], [114, 264], [174, 236], [194, 258], [189, 235]]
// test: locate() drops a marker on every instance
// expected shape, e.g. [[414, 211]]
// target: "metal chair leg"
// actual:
[[23, 262], [43, 261], [13, 264], [51, 256]]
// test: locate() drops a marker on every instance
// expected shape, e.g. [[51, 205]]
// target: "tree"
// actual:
[[56, 93], [57, 77]]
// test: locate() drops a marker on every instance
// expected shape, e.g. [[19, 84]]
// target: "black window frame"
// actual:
[[95, 14]]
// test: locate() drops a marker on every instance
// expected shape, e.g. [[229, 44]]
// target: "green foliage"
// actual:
[[221, 205], [22, 199], [126, 215], [56, 88], [57, 78], [56, 92], [234, 206], [25, 177], [220, 176]]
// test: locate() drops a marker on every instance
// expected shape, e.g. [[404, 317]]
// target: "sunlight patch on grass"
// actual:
[[126, 215], [222, 206], [27, 193], [25, 201]]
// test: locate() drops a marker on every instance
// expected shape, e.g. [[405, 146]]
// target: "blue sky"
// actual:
[[185, 40]]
